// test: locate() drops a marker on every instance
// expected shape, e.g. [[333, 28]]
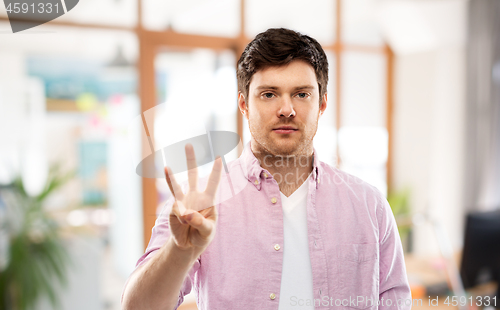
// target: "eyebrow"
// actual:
[[274, 87]]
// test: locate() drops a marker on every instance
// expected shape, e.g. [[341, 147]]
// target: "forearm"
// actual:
[[393, 280], [156, 284]]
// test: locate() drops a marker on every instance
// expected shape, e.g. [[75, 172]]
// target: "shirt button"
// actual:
[[265, 175], [272, 296], [274, 200], [277, 247], [318, 180], [256, 182]]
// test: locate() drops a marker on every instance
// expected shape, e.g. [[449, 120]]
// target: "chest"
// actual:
[[251, 223]]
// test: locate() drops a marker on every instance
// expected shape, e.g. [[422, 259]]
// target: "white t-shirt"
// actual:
[[296, 277]]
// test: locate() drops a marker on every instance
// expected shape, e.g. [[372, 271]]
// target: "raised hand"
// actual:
[[193, 216]]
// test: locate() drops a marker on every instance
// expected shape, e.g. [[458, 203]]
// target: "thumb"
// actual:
[[199, 222]]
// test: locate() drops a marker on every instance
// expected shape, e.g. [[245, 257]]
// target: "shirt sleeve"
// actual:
[[160, 235], [393, 284]]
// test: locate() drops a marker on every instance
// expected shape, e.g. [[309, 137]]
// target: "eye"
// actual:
[[268, 95], [302, 95]]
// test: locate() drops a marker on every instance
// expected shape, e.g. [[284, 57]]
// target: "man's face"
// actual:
[[283, 108]]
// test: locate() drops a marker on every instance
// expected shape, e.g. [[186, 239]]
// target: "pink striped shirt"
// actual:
[[354, 246]]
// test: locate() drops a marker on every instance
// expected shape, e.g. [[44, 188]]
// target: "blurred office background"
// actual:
[[414, 109]]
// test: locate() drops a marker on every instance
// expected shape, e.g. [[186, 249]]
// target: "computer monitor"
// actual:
[[481, 253]]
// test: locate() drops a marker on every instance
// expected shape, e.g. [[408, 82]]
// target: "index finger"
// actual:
[[175, 188]]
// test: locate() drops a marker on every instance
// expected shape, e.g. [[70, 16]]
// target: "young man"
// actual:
[[300, 235]]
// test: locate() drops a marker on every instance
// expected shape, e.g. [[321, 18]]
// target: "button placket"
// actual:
[[272, 192]]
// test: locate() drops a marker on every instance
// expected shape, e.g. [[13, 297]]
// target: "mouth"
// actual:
[[285, 130]]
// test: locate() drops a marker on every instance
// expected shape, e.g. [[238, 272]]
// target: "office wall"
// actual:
[[429, 124]]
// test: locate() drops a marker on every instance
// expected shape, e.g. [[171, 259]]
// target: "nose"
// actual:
[[286, 108]]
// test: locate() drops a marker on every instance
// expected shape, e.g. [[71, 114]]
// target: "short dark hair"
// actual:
[[279, 47]]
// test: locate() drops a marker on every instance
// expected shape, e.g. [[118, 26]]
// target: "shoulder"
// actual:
[[348, 185], [350, 190]]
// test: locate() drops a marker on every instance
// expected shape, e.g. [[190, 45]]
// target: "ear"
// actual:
[[242, 105], [323, 104]]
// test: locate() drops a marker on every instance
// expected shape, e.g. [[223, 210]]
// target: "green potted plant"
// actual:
[[399, 202], [37, 257]]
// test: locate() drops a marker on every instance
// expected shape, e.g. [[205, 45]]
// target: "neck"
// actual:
[[289, 171]]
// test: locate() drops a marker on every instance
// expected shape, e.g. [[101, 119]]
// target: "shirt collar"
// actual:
[[255, 173]]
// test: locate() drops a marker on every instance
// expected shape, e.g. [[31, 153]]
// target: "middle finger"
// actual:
[[192, 168]]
